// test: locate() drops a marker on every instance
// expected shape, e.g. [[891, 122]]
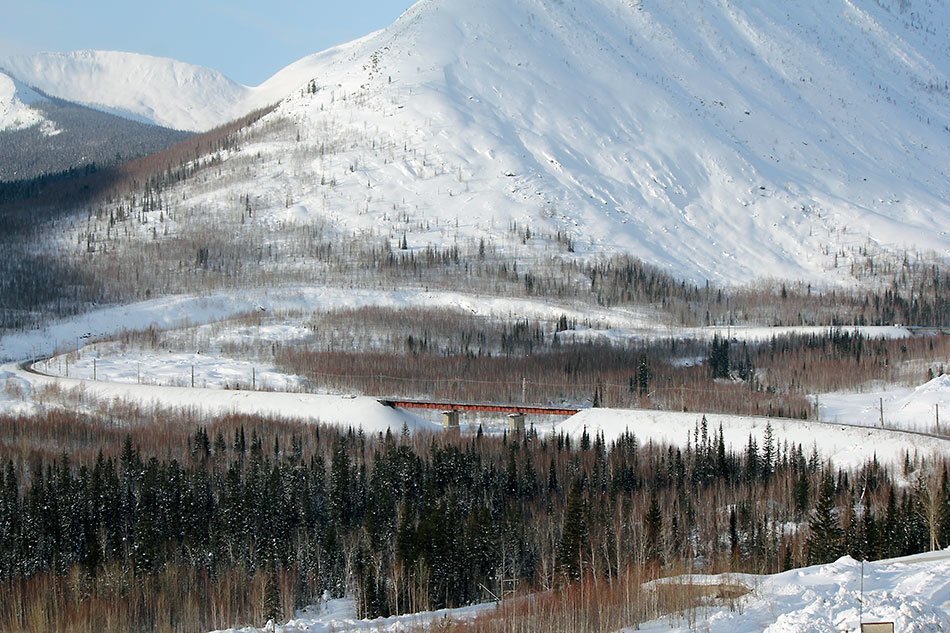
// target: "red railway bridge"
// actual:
[[482, 407]]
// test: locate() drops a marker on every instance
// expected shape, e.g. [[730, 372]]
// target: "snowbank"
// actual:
[[912, 592]]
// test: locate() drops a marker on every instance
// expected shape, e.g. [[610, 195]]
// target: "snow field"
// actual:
[[925, 408], [15, 110], [181, 311], [365, 413], [207, 371]]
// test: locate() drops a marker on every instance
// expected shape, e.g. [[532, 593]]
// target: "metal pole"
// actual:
[[861, 600]]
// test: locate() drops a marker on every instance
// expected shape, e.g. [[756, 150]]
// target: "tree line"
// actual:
[[253, 519]]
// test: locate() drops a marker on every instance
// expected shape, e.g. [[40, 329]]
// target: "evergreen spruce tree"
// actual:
[[889, 535], [574, 534], [653, 531], [643, 376], [722, 465], [767, 464], [733, 536], [825, 541]]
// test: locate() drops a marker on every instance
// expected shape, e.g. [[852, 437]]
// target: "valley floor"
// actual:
[[914, 592], [224, 383]]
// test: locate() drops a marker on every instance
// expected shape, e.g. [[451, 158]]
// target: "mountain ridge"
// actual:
[[156, 90]]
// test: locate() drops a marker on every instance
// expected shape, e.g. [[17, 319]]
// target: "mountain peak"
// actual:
[[725, 142]]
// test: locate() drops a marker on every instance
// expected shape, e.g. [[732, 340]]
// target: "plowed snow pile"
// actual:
[[912, 592]]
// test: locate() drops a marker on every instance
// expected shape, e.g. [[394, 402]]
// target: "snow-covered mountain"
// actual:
[[151, 89], [721, 140]]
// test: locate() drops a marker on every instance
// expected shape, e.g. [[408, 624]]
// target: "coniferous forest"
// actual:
[[183, 526]]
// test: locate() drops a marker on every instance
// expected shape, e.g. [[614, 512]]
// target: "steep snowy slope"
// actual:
[[16, 112], [723, 140]]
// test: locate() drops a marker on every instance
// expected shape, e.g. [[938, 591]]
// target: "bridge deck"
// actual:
[[524, 409]]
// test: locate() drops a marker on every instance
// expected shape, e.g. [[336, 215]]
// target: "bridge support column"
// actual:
[[450, 420], [516, 422]]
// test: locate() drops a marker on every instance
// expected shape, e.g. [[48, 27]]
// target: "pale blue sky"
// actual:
[[247, 40]]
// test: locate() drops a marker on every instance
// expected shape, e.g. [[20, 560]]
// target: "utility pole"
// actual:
[[937, 416], [880, 402]]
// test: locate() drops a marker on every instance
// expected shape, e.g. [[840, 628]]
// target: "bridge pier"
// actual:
[[450, 420], [516, 422]]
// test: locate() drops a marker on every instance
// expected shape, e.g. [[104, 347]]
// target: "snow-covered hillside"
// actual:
[[721, 141], [845, 446], [917, 409], [16, 112]]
